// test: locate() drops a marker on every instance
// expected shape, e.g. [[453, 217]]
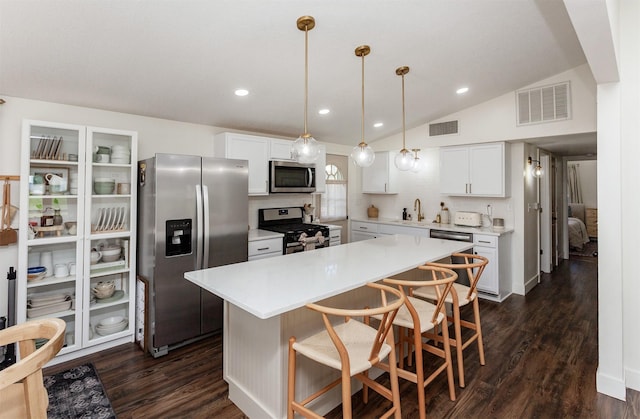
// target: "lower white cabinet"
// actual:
[[335, 235], [263, 244], [361, 230], [495, 280]]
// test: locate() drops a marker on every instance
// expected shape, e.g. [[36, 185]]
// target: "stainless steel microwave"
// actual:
[[291, 177]]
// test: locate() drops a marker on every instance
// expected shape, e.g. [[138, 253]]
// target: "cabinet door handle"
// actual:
[[484, 241], [385, 187], [364, 228], [260, 249]]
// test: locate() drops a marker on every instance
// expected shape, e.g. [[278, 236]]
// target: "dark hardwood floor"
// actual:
[[541, 358]]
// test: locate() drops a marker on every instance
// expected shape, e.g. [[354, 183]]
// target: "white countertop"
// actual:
[[257, 234], [269, 287], [437, 226]]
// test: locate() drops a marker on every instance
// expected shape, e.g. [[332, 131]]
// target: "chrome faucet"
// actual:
[[417, 207]]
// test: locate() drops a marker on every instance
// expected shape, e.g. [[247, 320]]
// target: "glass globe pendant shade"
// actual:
[[537, 171], [404, 160], [305, 149], [418, 165], [363, 155]]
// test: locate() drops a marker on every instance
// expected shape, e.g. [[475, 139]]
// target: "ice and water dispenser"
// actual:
[[178, 240]]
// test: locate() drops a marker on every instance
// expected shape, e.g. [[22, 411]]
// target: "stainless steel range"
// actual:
[[298, 236]]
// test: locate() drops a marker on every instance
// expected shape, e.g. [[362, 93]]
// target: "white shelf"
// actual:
[[60, 314], [52, 240], [44, 162], [98, 306], [50, 281]]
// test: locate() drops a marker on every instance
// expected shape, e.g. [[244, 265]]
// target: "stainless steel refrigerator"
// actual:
[[192, 214]]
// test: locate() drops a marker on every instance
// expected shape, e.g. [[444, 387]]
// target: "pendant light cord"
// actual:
[[306, 77], [403, 118], [362, 120]]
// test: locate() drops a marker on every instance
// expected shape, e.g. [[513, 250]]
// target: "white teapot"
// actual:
[[95, 256]]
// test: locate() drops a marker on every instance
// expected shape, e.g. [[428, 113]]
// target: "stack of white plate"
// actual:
[[111, 325], [120, 154]]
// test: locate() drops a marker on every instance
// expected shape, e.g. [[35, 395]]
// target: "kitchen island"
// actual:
[[265, 305]]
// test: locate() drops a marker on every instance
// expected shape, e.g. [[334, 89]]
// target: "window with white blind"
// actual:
[[333, 203]]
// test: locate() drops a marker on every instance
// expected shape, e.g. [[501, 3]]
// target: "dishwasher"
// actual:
[[463, 278]]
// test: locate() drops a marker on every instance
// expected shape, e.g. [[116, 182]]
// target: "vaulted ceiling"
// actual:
[[182, 60]]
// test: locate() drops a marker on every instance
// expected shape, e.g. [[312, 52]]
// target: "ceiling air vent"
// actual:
[[544, 104], [443, 128]]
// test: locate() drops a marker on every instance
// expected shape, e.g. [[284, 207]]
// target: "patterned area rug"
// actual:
[[589, 249], [77, 393]]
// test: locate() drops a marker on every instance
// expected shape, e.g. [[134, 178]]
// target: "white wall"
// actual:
[[626, 208]]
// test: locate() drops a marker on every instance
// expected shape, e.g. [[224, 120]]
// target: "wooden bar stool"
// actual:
[[419, 317], [351, 347], [462, 295], [22, 392]]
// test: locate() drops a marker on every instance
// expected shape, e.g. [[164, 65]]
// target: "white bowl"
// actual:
[[111, 253], [110, 321]]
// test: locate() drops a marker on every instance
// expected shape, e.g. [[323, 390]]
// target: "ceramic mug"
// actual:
[[60, 270], [124, 188], [46, 260], [72, 268], [95, 256]]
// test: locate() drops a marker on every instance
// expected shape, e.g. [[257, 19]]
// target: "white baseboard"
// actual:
[[610, 386], [530, 284], [632, 379]]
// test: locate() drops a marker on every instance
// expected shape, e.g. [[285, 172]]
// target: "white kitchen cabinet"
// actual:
[[88, 220], [280, 149], [321, 175], [476, 170], [381, 176], [252, 148], [265, 248], [487, 246], [361, 230], [495, 282], [402, 229], [335, 235]]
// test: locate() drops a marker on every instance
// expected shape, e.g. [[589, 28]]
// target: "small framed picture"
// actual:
[[54, 179]]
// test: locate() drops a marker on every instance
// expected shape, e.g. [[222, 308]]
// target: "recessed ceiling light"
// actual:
[[378, 124], [241, 92], [462, 90], [324, 111]]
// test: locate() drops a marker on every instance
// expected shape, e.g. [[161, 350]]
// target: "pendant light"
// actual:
[[363, 154], [305, 149], [418, 164], [404, 159]]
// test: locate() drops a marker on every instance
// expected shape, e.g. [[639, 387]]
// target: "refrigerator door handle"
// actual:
[[310, 178], [199, 227], [205, 207]]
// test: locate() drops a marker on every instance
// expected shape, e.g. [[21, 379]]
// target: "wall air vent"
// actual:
[[544, 104], [443, 128]]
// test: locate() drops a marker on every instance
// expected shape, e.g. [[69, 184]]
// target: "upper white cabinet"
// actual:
[[280, 149], [381, 176], [252, 148], [258, 151], [78, 220], [321, 175], [475, 170]]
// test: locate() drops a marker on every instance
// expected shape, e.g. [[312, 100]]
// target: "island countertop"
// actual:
[[269, 287]]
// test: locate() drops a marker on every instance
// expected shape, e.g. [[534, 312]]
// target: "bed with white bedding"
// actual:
[[578, 236]]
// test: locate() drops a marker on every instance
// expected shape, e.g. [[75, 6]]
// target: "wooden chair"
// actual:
[[351, 347], [462, 295], [22, 392], [419, 317]]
